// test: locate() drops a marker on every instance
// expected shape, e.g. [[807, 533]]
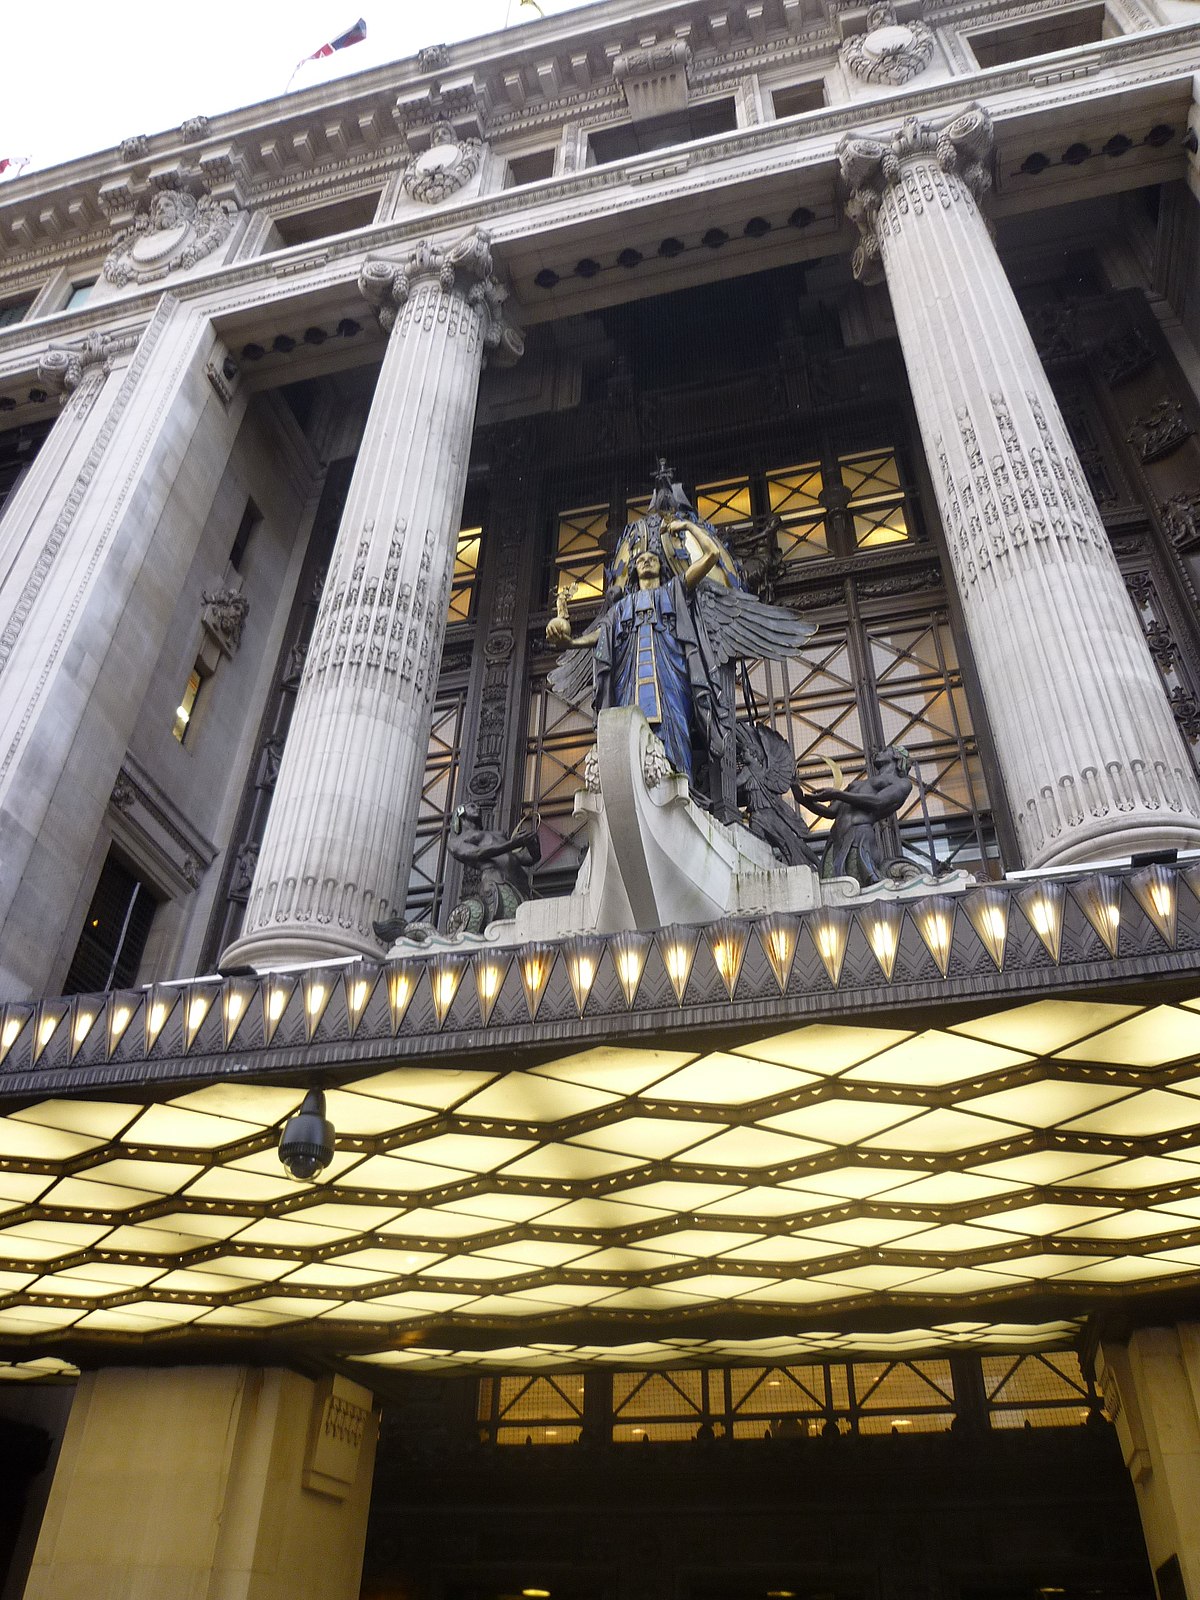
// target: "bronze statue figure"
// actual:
[[766, 773], [505, 862], [852, 846]]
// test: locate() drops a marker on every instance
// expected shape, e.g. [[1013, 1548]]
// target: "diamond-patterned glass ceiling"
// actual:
[[816, 1182]]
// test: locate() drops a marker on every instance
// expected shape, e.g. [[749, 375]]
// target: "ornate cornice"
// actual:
[[588, 193], [464, 268], [870, 167]]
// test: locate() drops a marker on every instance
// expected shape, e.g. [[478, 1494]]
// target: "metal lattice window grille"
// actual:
[[466, 571], [795, 497], [580, 553], [525, 1410], [795, 1401], [438, 788], [1037, 1391], [876, 503], [558, 738]]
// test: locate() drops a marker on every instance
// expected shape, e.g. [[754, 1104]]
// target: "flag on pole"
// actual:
[[13, 166], [354, 35]]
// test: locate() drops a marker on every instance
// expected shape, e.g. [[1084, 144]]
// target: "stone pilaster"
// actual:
[[188, 1481], [1091, 758], [1151, 1387], [343, 819], [94, 545]]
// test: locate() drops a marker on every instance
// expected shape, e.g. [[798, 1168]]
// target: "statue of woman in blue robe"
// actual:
[[646, 654], [677, 620]]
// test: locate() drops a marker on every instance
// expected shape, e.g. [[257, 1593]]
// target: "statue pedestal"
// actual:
[[655, 858]]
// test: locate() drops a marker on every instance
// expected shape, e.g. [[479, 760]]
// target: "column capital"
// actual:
[[870, 167], [464, 268], [64, 366]]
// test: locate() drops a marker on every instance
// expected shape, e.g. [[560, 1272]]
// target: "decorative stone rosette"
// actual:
[[447, 166], [464, 268], [889, 51], [175, 233], [961, 147]]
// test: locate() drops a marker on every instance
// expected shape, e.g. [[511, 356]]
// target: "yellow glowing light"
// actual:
[[46, 1030], [403, 979], [629, 967], [781, 942], [316, 999], [677, 963], [83, 1023], [11, 1029], [276, 1003], [537, 1594], [197, 1012], [827, 942], [234, 1004], [1161, 898], [358, 995], [121, 1018], [489, 981], [445, 988], [883, 940], [585, 972], [1042, 917], [938, 931], [725, 958], [158, 1015], [995, 921]]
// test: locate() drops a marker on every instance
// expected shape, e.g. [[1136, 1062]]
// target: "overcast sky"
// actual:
[[77, 76]]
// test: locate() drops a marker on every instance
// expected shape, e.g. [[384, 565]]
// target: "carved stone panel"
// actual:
[[447, 166], [889, 51], [175, 232]]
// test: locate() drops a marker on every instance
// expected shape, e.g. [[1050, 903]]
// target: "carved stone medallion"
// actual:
[[443, 169], [889, 51], [173, 234]]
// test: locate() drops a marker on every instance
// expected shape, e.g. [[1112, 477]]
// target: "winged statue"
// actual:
[[677, 623]]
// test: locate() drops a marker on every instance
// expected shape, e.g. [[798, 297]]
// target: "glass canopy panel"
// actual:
[[803, 1172]]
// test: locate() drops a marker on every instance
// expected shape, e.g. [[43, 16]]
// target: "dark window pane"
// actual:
[[114, 934]]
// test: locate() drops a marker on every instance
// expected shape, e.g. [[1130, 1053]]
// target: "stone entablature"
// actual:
[[771, 146], [537, 78]]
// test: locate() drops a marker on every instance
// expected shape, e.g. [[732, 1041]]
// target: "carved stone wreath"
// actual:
[[443, 169], [173, 234], [889, 51]]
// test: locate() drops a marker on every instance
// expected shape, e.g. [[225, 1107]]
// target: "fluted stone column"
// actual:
[[344, 814], [1091, 758]]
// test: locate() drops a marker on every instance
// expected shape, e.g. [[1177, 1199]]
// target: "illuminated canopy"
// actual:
[[825, 1186]]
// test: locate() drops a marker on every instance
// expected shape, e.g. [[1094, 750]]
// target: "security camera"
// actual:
[[306, 1144]]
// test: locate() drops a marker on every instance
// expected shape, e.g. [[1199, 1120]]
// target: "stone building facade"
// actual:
[[839, 1249]]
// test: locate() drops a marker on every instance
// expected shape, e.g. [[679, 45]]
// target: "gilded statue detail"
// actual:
[[676, 623]]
